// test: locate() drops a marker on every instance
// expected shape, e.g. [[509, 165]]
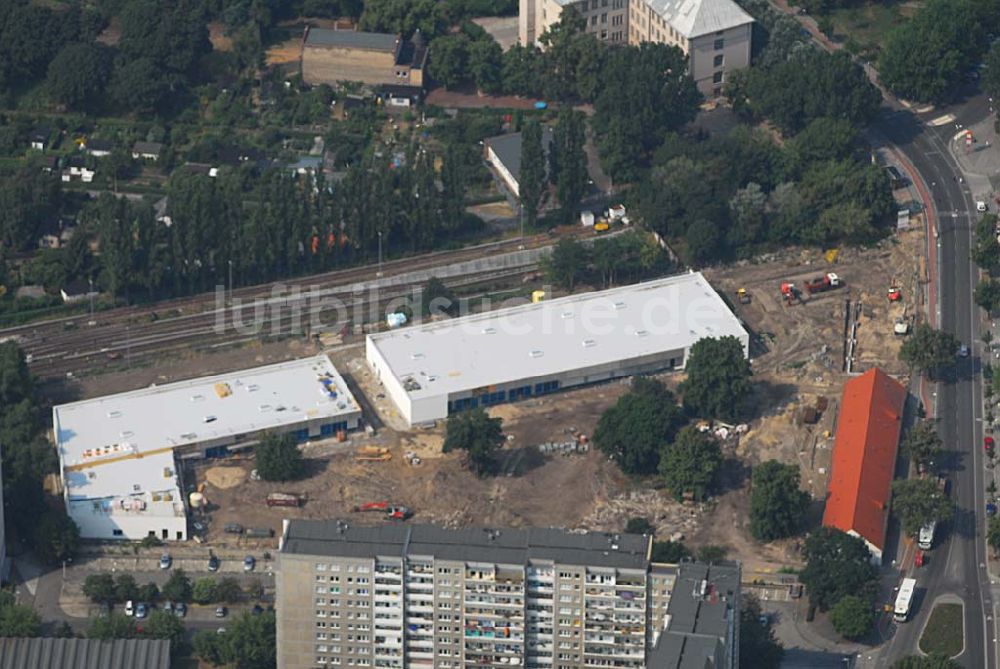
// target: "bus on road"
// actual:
[[904, 600]]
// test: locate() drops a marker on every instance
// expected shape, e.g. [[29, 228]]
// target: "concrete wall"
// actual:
[[735, 53], [133, 527], [328, 65]]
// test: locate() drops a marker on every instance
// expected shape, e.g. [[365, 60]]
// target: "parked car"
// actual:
[[180, 609], [963, 351], [129, 608], [249, 563], [168, 606], [257, 609], [140, 610], [220, 612], [988, 444], [221, 630], [213, 563], [233, 528], [166, 561]]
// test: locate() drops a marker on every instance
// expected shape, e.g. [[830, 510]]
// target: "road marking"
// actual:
[[925, 109], [941, 120], [958, 135]]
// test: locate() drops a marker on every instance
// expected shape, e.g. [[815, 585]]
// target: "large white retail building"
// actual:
[[117, 453], [510, 354]]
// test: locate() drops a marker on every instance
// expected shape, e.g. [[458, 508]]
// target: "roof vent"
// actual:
[[589, 343], [264, 408], [641, 333], [252, 388], [567, 314], [489, 330], [114, 414], [535, 353], [619, 306], [197, 398], [416, 356]]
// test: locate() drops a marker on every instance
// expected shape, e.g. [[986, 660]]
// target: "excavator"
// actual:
[[391, 511]]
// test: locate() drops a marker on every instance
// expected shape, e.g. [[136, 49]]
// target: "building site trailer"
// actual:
[[904, 600]]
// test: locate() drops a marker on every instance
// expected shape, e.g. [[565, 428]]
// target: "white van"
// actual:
[[925, 539]]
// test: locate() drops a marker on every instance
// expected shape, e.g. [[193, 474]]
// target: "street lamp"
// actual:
[[230, 282], [379, 254]]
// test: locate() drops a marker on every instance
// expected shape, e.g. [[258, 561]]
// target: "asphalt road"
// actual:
[[957, 564]]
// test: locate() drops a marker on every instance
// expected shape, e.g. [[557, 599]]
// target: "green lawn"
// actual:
[[944, 632], [868, 24]]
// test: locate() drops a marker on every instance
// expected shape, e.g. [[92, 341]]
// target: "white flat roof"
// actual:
[[145, 486], [199, 410], [549, 338]]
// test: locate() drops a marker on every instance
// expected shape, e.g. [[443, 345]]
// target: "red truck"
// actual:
[[285, 499], [823, 283]]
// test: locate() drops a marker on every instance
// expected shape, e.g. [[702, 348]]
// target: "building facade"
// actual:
[[397, 597], [436, 368], [117, 453], [336, 56], [715, 35]]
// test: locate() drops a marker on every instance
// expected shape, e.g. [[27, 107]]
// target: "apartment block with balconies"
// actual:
[[419, 596]]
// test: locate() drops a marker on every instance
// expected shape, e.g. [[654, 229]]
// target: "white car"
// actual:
[[980, 206], [129, 608]]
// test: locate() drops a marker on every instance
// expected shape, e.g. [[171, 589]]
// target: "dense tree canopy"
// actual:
[[248, 643], [641, 423], [533, 178], [18, 620], [645, 93], [811, 84], [853, 617], [918, 502], [837, 564], [922, 444], [78, 74], [479, 435], [925, 58], [777, 504], [927, 349], [718, 378]]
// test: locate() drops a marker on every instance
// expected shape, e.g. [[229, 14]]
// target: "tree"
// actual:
[[164, 625], [852, 617], [178, 587], [279, 458], [521, 70], [641, 423], [987, 295], [249, 643], [923, 59], [777, 505], [711, 553], [927, 349], [150, 592], [919, 502], [532, 181], [113, 625], [449, 59], [718, 378], [703, 241], [139, 86], [228, 590], [837, 564], [209, 646], [932, 661], [204, 591], [757, 641], [404, 16], [100, 588], [485, 65], [670, 552], [78, 74], [56, 537], [639, 525], [993, 534], [436, 299], [923, 445], [18, 620], [986, 250], [126, 588], [566, 264], [567, 153], [690, 463], [476, 433]]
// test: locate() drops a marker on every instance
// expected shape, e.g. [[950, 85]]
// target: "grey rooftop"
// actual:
[[51, 653], [351, 39]]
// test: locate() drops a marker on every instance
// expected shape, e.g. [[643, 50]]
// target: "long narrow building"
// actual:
[[415, 596], [437, 368]]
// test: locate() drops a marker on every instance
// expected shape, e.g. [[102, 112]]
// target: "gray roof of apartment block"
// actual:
[[496, 546], [51, 653], [700, 609]]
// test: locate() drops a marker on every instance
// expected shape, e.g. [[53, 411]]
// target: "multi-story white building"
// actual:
[[116, 453], [714, 34], [402, 596]]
